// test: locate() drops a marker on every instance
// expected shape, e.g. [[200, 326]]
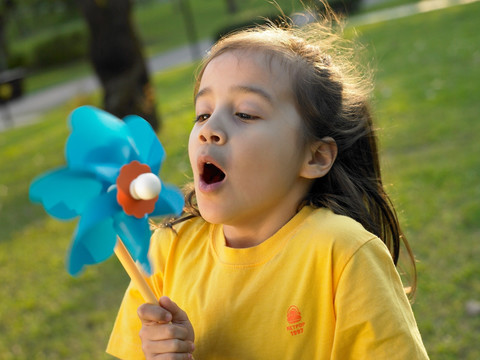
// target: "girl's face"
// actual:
[[246, 148]]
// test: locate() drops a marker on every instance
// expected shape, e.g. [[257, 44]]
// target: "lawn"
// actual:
[[426, 104]]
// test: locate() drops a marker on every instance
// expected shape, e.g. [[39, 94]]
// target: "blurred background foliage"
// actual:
[[36, 29]]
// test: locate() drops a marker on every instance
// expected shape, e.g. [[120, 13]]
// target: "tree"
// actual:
[[116, 55], [232, 7], [5, 7], [187, 14]]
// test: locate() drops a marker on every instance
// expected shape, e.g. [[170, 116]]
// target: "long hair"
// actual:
[[332, 97]]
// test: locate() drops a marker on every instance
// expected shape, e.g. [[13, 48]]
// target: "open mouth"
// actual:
[[212, 174]]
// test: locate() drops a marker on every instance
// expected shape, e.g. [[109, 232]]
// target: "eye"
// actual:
[[202, 117], [244, 116]]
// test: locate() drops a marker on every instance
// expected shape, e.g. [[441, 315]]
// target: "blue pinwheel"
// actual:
[[108, 180]]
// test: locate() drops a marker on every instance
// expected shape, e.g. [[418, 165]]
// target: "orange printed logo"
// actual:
[[294, 318]]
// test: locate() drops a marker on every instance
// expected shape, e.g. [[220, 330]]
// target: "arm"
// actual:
[[165, 330], [124, 341], [374, 319]]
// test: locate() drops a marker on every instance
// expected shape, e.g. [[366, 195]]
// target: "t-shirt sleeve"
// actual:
[[374, 319], [124, 340]]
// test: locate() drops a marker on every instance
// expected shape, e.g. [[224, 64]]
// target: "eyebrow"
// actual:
[[203, 92], [242, 89], [255, 90]]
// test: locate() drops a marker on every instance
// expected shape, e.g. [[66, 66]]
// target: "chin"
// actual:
[[210, 213], [210, 217]]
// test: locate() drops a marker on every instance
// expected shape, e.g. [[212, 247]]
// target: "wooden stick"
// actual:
[[134, 273]]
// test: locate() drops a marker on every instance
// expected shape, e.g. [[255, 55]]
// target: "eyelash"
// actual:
[[242, 116]]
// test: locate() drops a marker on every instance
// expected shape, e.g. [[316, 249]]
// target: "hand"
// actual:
[[166, 332]]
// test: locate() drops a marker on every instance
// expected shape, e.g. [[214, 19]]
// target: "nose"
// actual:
[[212, 133]]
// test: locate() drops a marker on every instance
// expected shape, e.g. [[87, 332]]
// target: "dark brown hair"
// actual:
[[333, 100]]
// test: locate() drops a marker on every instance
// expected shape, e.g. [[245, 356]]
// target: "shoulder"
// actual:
[[324, 228], [338, 240], [166, 237], [167, 234]]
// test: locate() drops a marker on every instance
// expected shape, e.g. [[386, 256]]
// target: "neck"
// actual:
[[240, 236], [241, 240], [251, 229]]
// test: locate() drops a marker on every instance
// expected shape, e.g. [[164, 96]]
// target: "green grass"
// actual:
[[426, 103]]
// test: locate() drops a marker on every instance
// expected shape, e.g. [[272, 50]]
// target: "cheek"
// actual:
[[281, 155], [259, 159], [191, 148]]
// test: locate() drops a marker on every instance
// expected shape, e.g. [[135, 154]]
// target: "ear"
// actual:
[[319, 158]]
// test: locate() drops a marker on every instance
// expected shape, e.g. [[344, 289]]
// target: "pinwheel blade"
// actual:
[[55, 190], [146, 141], [99, 142], [89, 249], [95, 236], [135, 234], [170, 201]]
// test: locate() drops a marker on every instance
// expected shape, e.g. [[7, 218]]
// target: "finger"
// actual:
[[172, 346], [153, 313], [155, 331], [178, 315]]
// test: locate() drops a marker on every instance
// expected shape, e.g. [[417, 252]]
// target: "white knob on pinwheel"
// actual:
[[145, 186]]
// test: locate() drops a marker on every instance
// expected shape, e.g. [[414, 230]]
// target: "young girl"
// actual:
[[292, 251]]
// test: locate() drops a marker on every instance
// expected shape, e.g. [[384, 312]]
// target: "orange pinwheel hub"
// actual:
[[132, 206]]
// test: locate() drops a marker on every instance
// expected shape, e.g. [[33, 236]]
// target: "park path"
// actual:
[[29, 108]]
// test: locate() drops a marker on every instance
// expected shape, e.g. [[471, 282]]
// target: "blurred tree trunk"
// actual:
[[5, 7], [116, 55], [187, 14], [3, 43], [232, 7]]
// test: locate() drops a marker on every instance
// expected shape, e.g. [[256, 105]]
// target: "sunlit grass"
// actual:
[[427, 106]]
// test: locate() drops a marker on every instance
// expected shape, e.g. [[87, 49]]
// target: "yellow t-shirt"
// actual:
[[322, 287]]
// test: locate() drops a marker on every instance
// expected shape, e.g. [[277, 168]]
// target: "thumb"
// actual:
[[178, 315]]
